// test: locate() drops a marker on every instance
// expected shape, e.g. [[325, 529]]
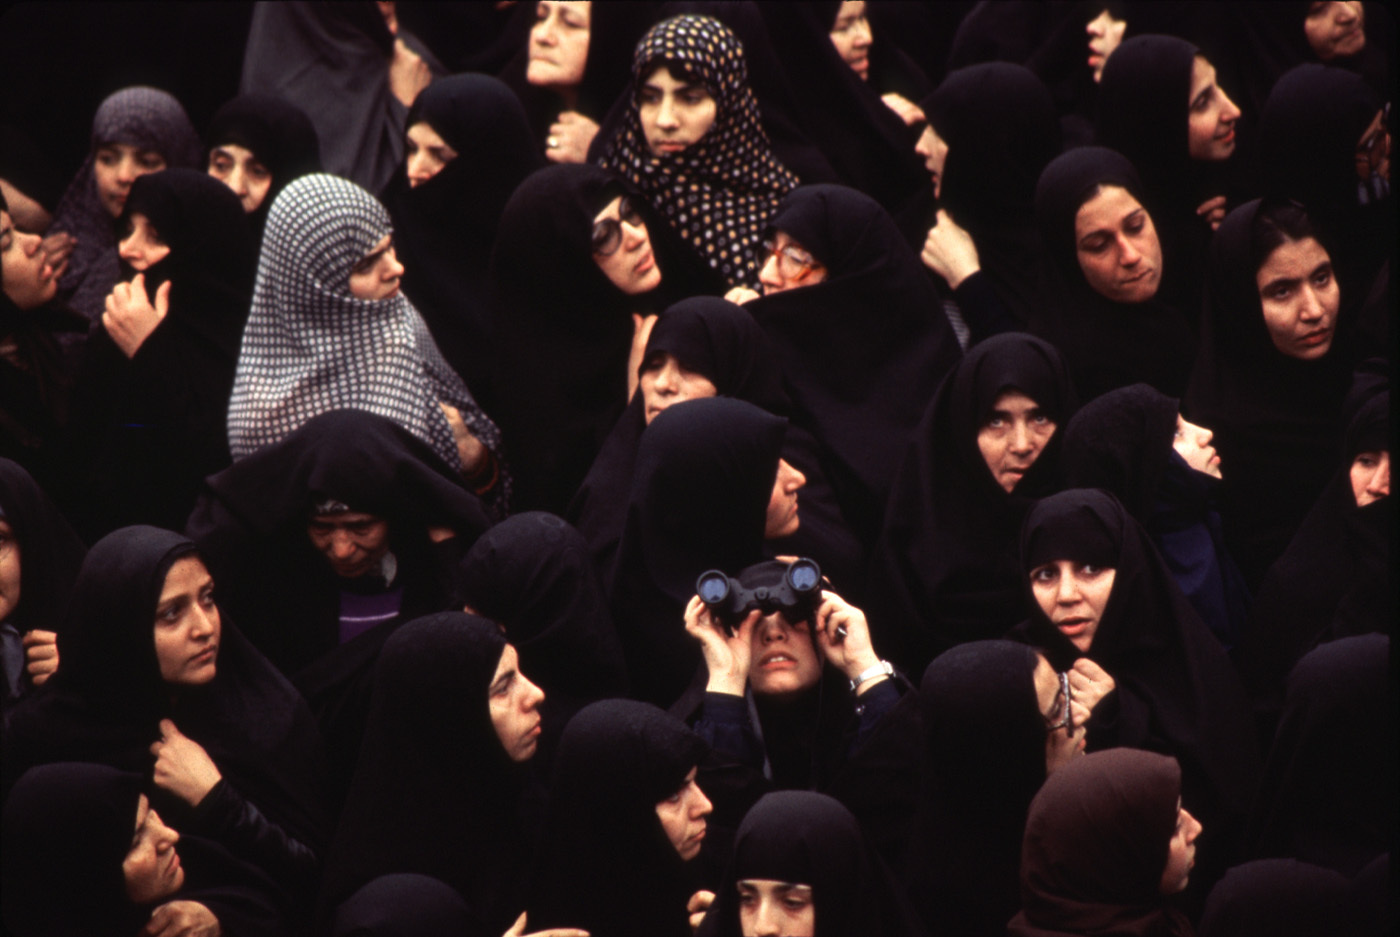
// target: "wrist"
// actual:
[[726, 683], [877, 673], [961, 272], [859, 664]]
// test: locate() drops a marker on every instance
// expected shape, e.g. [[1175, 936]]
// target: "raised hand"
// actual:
[[130, 318]]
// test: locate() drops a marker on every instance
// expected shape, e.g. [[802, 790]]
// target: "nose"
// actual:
[[1068, 591], [633, 234], [795, 479], [29, 243], [1310, 307], [1229, 111], [165, 836], [392, 268], [417, 168], [769, 275], [202, 624], [700, 806], [545, 33], [342, 545], [238, 181], [1344, 15], [1379, 485], [126, 169], [666, 379], [533, 695], [863, 35], [1021, 442], [666, 114], [1193, 828], [767, 922], [127, 249], [1128, 255]]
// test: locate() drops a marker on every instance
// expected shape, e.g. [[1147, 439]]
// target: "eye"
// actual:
[[206, 597], [169, 615], [108, 157], [1044, 574], [1322, 276], [1093, 245], [1090, 570], [1282, 291], [995, 422], [694, 98], [649, 96], [153, 162]]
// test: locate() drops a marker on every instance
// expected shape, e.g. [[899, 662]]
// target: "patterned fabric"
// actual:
[[311, 347], [720, 192]]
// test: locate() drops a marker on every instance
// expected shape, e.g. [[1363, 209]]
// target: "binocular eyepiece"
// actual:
[[796, 595]]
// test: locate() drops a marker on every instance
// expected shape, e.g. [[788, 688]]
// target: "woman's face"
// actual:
[[781, 519], [1335, 28], [187, 626], [788, 266], [142, 247], [682, 817], [675, 113], [1373, 149], [783, 658], [9, 570], [376, 275], [1300, 298], [116, 166], [1181, 854], [558, 47], [664, 381], [770, 908], [1062, 741], [935, 153], [622, 248], [1073, 596], [1192, 443], [152, 867], [25, 275], [428, 153], [1370, 481], [1117, 246], [1013, 437], [515, 704], [237, 168], [850, 34], [1211, 117], [353, 542]]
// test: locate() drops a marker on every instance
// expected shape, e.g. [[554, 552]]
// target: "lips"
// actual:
[[670, 146], [645, 264], [206, 655], [1072, 627], [777, 661], [1315, 338]]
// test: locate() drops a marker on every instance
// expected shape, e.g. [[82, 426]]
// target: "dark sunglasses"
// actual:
[[607, 234]]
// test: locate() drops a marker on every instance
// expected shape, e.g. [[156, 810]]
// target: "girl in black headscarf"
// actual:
[[832, 883], [257, 143], [149, 672], [72, 866], [1281, 898], [1273, 372], [453, 723], [607, 864], [157, 375], [446, 211], [862, 339], [1103, 306], [946, 570], [1134, 443], [1105, 609]]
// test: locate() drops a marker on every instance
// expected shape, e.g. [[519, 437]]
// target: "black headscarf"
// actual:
[[444, 229], [1002, 130], [276, 132], [1279, 898], [1267, 409], [946, 568], [403, 905], [983, 762], [606, 864], [1096, 845], [1176, 691], [808, 838], [1107, 344], [432, 762], [704, 477], [863, 351]]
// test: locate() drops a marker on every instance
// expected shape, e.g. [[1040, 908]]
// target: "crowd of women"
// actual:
[[837, 468]]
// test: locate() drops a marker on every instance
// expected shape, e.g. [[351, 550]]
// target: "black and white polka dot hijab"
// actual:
[[311, 347], [720, 192]]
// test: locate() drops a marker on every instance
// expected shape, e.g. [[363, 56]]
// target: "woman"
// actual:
[[693, 144], [136, 131], [1134, 443], [625, 818], [802, 866], [859, 334], [1105, 610], [1001, 707], [1282, 898], [330, 329], [454, 723], [86, 854], [257, 143], [1108, 842], [945, 570], [1104, 308], [1272, 375], [156, 378], [150, 674], [468, 148], [888, 70]]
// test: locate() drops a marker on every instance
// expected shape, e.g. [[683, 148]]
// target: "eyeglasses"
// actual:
[[607, 234], [794, 264], [1062, 701]]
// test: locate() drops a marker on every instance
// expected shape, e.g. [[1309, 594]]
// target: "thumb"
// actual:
[[168, 730], [163, 299], [517, 928]]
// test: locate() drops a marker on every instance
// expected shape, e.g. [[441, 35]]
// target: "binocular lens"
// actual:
[[804, 575], [713, 587]]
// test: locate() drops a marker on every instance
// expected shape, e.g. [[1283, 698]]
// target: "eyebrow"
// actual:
[[180, 601], [503, 681]]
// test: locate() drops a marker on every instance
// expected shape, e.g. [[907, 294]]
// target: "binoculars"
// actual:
[[797, 595]]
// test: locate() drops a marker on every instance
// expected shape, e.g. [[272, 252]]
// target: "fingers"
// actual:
[[517, 928], [163, 299], [700, 900], [38, 638]]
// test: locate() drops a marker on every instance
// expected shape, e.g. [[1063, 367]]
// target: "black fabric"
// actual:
[[983, 761], [1107, 344], [276, 132], [810, 839], [1279, 898], [1001, 128], [946, 568], [444, 228], [862, 352], [1267, 409], [403, 905], [148, 428], [1328, 791], [704, 477], [532, 574], [432, 761], [1176, 690], [606, 864]]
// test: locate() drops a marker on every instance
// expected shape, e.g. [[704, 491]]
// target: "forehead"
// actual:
[[423, 134], [344, 519], [1293, 258], [1106, 207], [1202, 75], [1014, 401], [143, 808], [611, 210], [662, 80]]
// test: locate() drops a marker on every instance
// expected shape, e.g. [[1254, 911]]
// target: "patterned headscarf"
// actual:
[[720, 192], [311, 347]]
